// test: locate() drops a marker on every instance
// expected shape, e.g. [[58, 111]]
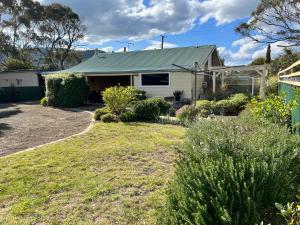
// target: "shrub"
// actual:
[[146, 110], [163, 105], [66, 90], [272, 88], [290, 212], [139, 94], [128, 116], [100, 112], [172, 112], [108, 118], [44, 101], [187, 114], [206, 105], [274, 109], [224, 107], [118, 98], [232, 106], [232, 172]]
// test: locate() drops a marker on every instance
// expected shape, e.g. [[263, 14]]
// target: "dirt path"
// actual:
[[24, 126]]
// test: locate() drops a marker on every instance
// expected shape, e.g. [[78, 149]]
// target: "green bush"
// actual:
[[100, 112], [146, 110], [163, 105], [231, 106], [187, 114], [139, 94], [272, 88], [232, 172], [128, 116], [66, 90], [44, 101], [290, 212], [108, 118], [118, 98], [274, 109]]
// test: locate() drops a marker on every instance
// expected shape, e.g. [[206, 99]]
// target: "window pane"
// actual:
[[159, 79]]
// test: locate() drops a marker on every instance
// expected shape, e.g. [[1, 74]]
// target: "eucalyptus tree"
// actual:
[[274, 21], [57, 34]]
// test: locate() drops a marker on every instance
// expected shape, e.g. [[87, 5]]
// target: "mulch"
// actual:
[[27, 125]]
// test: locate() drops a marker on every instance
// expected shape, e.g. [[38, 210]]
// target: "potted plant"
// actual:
[[177, 95]]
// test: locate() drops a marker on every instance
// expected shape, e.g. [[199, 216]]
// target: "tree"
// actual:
[[284, 60], [268, 55], [16, 28], [258, 61], [274, 21], [57, 32]]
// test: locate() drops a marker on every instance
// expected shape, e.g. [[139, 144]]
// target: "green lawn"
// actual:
[[115, 174]]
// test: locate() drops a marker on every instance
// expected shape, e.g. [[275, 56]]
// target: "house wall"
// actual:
[[19, 79], [179, 81]]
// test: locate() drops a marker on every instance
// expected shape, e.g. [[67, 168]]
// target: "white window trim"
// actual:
[[160, 86]]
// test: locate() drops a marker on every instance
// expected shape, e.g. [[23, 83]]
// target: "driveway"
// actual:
[[28, 125]]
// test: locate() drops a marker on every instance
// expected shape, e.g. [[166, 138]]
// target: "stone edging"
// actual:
[[92, 123]]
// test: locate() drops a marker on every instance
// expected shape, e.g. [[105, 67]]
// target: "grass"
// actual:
[[115, 174]]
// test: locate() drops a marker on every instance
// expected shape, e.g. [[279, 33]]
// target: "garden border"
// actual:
[[91, 125]]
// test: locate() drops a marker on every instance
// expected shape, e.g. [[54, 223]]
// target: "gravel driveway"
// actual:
[[28, 125]]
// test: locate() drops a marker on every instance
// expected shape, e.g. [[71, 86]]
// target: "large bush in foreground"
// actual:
[[117, 98], [66, 90], [232, 172]]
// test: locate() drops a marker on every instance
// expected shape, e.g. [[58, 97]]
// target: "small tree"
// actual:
[[117, 98]]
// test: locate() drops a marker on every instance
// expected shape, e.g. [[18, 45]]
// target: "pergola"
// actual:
[[254, 71]]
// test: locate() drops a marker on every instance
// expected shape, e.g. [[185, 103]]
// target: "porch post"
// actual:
[[214, 82], [131, 80], [223, 79], [253, 84]]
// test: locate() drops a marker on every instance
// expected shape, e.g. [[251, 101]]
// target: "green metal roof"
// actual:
[[144, 61]]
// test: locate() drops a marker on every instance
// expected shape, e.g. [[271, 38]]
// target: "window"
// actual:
[[155, 79]]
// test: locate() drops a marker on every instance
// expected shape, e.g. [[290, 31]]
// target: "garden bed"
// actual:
[[24, 126]]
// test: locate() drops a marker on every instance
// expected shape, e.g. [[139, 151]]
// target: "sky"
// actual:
[[111, 23]]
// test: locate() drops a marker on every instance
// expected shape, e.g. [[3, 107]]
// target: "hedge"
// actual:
[[66, 90]]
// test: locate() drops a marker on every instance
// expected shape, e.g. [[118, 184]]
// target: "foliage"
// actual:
[[232, 172], [15, 64], [187, 114], [258, 61], [66, 90], [209, 106], [44, 101], [177, 95], [146, 110], [9, 94], [128, 116], [274, 21], [118, 98], [100, 112], [274, 109], [284, 60], [109, 118], [231, 106], [290, 212], [268, 55], [163, 105], [140, 94], [272, 88]]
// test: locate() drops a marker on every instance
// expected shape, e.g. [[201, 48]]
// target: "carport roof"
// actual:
[[144, 61]]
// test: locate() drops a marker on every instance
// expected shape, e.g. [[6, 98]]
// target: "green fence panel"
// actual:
[[291, 93]]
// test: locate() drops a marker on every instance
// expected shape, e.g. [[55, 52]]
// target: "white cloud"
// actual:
[[131, 19], [247, 50], [157, 45]]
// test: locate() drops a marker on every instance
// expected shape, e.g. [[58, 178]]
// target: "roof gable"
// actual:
[[144, 61]]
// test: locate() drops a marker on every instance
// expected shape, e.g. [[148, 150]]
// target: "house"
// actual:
[[27, 84], [158, 72]]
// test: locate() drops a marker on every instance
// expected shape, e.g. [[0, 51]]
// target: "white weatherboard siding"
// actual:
[[179, 81], [18, 79]]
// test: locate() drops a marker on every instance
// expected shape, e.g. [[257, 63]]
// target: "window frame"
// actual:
[[169, 79]]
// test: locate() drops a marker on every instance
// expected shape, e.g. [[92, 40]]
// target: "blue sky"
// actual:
[[184, 22]]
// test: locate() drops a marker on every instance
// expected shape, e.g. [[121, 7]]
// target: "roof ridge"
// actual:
[[143, 50]]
